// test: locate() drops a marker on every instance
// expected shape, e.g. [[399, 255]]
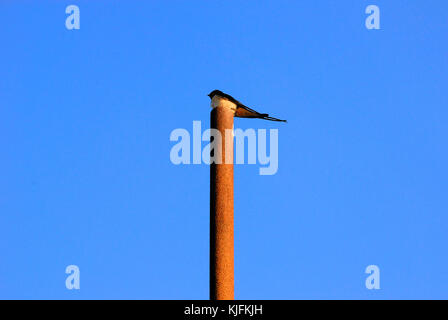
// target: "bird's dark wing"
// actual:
[[273, 119], [250, 113]]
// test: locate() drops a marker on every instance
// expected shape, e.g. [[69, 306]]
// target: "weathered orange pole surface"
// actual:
[[221, 204]]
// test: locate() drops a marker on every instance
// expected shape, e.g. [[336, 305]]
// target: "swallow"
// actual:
[[241, 110]]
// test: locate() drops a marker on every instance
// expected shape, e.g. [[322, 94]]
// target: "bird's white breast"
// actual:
[[218, 101]]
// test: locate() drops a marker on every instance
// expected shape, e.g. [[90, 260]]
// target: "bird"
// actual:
[[242, 111]]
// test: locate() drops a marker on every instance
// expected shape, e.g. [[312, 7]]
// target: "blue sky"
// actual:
[[87, 180]]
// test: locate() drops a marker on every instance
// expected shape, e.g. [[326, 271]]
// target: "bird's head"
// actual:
[[213, 93]]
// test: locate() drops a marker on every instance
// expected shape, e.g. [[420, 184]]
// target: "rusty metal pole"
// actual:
[[221, 203]]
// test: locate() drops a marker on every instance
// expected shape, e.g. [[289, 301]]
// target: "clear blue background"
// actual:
[[86, 177]]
